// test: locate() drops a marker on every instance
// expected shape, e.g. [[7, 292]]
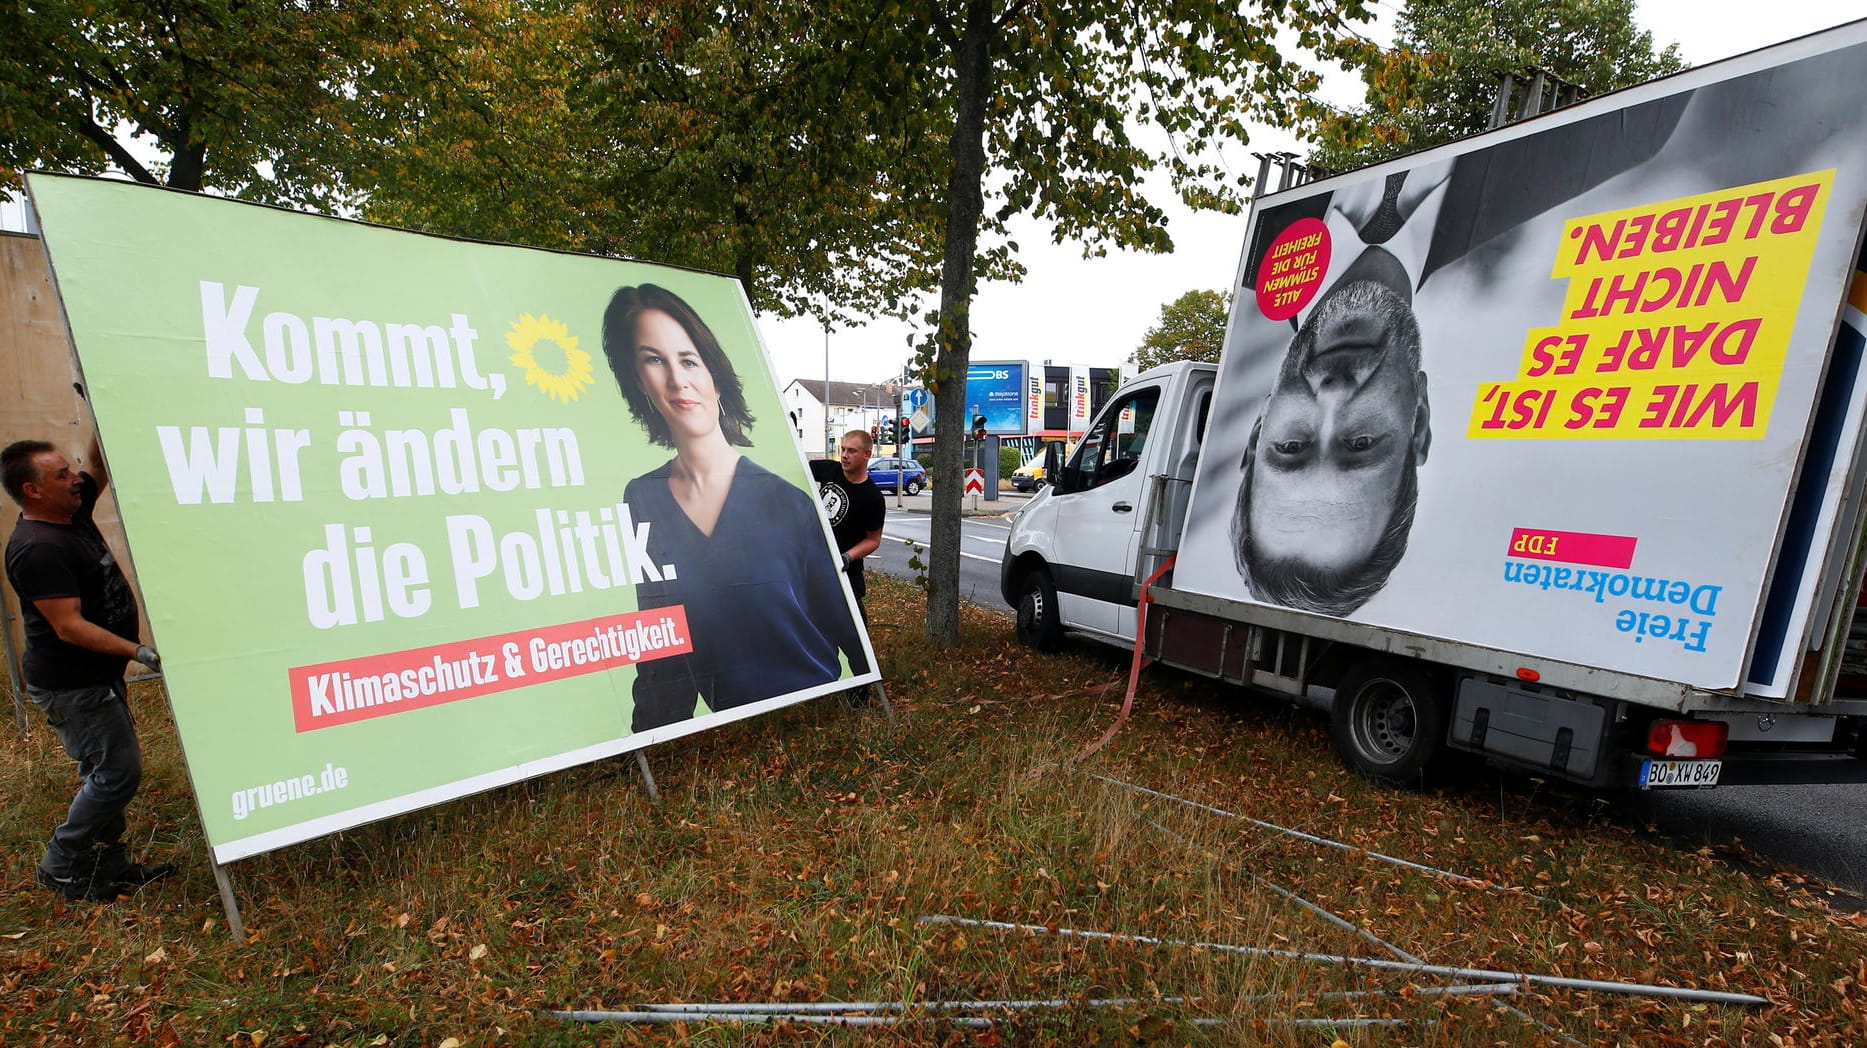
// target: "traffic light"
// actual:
[[978, 427]]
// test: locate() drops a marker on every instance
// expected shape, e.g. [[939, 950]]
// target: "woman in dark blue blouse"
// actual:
[[740, 549]]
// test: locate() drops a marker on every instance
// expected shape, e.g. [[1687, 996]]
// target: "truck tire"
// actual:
[[1389, 721], [1038, 625]]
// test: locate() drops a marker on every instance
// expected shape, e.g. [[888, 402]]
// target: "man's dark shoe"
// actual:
[[137, 874], [115, 869], [77, 884]]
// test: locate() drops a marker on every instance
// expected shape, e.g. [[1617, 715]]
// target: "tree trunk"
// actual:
[[188, 167], [965, 201]]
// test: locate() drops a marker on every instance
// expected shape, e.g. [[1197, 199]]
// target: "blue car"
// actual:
[[890, 474]]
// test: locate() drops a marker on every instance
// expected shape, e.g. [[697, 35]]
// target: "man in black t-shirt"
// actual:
[[855, 508], [854, 505], [80, 620]]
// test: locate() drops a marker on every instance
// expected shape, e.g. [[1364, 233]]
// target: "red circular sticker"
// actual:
[[1291, 271]]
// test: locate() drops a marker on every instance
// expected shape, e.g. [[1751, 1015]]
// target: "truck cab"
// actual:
[[1070, 565]]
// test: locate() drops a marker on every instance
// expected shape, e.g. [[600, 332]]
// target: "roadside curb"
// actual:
[[998, 508]]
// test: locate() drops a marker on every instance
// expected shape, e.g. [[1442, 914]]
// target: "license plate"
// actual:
[[1679, 773]]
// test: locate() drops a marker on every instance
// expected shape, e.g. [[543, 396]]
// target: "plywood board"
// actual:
[[40, 401]]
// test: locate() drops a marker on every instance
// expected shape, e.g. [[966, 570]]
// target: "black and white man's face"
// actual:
[[1348, 412]]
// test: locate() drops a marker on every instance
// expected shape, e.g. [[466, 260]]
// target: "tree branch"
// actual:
[[114, 149], [1011, 13]]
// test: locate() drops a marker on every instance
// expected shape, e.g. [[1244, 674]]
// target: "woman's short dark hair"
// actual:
[[619, 345]]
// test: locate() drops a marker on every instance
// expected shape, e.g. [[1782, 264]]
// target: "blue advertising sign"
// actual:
[[995, 389]]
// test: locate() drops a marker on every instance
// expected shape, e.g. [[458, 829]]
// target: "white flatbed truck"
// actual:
[[1623, 457]]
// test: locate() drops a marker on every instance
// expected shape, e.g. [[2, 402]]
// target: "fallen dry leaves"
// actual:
[[791, 856]]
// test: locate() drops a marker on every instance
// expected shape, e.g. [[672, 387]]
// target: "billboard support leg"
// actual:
[[888, 708], [648, 777], [227, 902]]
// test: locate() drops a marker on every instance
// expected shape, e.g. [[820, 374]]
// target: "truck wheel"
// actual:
[[1389, 721], [914, 487], [1038, 625]]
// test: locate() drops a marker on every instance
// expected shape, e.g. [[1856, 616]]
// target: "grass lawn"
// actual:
[[795, 858]]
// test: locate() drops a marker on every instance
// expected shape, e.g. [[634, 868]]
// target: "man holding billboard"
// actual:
[[81, 630], [856, 510], [854, 505]]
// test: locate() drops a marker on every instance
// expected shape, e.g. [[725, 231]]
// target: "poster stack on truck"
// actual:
[[402, 528], [1544, 445]]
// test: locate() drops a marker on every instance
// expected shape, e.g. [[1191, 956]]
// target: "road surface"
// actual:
[[982, 545]]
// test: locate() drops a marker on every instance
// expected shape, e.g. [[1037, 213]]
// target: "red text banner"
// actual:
[[349, 690]]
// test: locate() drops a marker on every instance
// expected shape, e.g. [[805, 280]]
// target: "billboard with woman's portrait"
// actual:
[[416, 517]]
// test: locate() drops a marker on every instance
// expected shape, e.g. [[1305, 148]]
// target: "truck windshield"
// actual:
[[1112, 448]]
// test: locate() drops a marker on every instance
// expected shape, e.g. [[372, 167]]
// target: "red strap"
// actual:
[[1139, 660]]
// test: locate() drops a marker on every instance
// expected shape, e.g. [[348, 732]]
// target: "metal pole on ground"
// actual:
[[229, 904], [1485, 974], [648, 777]]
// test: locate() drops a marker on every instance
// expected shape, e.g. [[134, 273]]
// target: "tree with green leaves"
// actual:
[[252, 99], [1050, 103], [496, 149], [1191, 327], [744, 138], [1440, 80]]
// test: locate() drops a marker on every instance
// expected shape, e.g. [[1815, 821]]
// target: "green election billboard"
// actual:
[[415, 517]]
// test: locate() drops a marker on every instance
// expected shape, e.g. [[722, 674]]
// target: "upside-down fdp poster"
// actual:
[[1550, 390], [416, 517]]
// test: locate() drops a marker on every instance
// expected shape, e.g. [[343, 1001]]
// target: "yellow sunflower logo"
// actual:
[[562, 375]]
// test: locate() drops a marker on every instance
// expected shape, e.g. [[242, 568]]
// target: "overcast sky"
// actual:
[[1095, 311]]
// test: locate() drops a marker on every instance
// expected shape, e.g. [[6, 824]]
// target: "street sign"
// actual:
[[920, 410], [975, 482]]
